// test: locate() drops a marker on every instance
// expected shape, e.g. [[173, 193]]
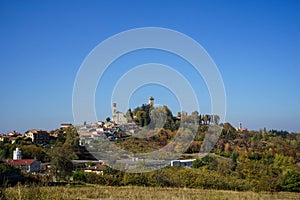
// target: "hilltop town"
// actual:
[[241, 159]]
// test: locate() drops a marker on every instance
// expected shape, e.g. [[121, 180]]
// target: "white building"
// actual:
[[17, 154], [26, 165], [185, 163], [118, 117]]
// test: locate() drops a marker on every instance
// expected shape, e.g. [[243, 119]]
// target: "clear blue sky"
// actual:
[[255, 45]]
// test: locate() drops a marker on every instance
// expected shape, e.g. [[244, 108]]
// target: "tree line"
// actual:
[[162, 117]]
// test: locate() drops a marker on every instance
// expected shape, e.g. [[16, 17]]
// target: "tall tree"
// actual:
[[129, 115], [61, 163], [141, 118], [216, 119]]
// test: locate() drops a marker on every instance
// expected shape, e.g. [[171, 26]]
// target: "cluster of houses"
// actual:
[[10, 137], [34, 166], [105, 130], [118, 128], [87, 133], [109, 130], [36, 136]]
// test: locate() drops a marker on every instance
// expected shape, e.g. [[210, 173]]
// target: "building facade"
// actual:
[[17, 154], [38, 136], [118, 117], [26, 165]]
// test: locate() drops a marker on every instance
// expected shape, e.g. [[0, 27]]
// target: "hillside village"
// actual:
[[241, 159]]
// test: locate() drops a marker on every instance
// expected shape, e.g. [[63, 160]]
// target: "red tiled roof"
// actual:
[[20, 162], [36, 131]]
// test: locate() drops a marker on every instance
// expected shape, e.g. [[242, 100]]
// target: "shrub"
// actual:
[[291, 181]]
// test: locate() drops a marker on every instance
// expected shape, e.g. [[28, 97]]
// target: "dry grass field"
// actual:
[[134, 193]]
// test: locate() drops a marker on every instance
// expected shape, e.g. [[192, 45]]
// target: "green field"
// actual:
[[133, 192]]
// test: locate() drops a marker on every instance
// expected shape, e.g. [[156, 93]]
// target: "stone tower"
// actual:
[[151, 101], [240, 126], [114, 108]]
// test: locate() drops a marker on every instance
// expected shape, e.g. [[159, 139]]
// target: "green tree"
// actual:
[[6, 168], [72, 139], [4, 150], [141, 118], [234, 161], [206, 119], [158, 118], [197, 163], [283, 162], [195, 115], [129, 115], [61, 162], [208, 161], [79, 176], [291, 181], [32, 151], [216, 119]]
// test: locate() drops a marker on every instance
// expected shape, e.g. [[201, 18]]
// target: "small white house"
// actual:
[[185, 163]]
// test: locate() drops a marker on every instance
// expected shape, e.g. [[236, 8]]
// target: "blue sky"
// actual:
[[255, 45]]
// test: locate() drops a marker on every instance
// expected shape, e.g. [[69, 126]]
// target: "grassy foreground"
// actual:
[[134, 192]]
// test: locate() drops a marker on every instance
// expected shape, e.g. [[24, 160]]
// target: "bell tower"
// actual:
[[114, 108]]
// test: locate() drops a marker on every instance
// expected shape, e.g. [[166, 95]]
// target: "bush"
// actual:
[[79, 176], [291, 181]]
